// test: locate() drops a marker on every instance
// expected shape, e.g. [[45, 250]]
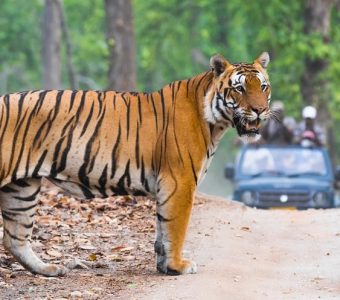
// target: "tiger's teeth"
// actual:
[[252, 125]]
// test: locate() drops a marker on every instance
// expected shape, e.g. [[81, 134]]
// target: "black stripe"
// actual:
[[143, 180], [126, 175], [55, 112], [124, 99], [221, 111], [40, 130], [8, 189], [21, 183], [139, 193], [23, 208], [225, 93], [20, 104], [66, 150], [53, 171], [146, 185], [193, 168], [102, 182], [73, 96], [100, 102], [14, 237], [80, 106], [39, 164], [160, 218], [128, 120], [166, 133], [137, 146], [172, 193], [188, 81], [199, 83], [114, 101], [140, 110], [163, 106], [86, 124], [93, 159], [114, 151], [67, 125], [154, 112], [179, 85], [86, 192], [29, 198], [142, 173], [118, 191], [173, 91], [7, 104], [40, 101], [27, 226], [6, 216]]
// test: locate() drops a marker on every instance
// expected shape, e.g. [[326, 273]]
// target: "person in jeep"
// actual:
[[308, 132]]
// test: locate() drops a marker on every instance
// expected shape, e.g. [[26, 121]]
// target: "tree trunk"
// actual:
[[70, 66], [317, 20], [121, 43], [314, 86], [51, 45]]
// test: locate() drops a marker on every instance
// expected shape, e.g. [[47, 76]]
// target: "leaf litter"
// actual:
[[108, 244]]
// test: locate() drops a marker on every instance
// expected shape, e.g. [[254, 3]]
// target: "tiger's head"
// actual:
[[239, 95]]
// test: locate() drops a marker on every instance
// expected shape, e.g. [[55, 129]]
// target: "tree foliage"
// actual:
[[175, 40]]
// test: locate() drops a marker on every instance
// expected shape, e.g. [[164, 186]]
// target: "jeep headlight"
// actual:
[[320, 199], [248, 198]]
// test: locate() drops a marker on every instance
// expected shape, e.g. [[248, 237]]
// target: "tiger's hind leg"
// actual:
[[18, 203]]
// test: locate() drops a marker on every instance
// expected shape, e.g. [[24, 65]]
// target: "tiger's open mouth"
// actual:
[[248, 129]]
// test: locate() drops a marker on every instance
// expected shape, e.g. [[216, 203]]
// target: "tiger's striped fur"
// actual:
[[103, 143]]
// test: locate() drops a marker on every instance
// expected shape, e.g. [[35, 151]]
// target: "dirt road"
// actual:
[[244, 253]]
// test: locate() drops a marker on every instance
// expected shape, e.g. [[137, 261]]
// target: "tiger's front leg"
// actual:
[[173, 214]]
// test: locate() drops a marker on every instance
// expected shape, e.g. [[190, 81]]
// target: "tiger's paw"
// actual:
[[53, 270], [178, 268]]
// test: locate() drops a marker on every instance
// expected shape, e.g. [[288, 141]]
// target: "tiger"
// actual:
[[107, 143]]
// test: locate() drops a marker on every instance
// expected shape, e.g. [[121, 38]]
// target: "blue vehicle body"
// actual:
[[306, 182]]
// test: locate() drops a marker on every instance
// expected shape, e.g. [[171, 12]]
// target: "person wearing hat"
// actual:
[[308, 133], [278, 129]]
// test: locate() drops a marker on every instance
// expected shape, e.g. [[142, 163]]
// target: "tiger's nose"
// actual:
[[259, 110]]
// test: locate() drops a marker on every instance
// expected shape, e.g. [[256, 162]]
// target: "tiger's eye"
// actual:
[[239, 88]]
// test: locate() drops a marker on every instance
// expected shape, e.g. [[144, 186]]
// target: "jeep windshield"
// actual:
[[290, 161]]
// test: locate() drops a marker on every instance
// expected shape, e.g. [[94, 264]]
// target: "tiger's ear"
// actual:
[[218, 64], [263, 60]]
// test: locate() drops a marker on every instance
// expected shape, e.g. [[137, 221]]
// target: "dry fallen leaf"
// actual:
[[87, 247], [122, 249], [54, 253], [92, 257], [245, 228]]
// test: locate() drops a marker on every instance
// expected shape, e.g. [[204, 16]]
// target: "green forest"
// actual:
[[174, 40]]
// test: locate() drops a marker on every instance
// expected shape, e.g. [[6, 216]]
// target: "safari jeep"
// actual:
[[269, 176]]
